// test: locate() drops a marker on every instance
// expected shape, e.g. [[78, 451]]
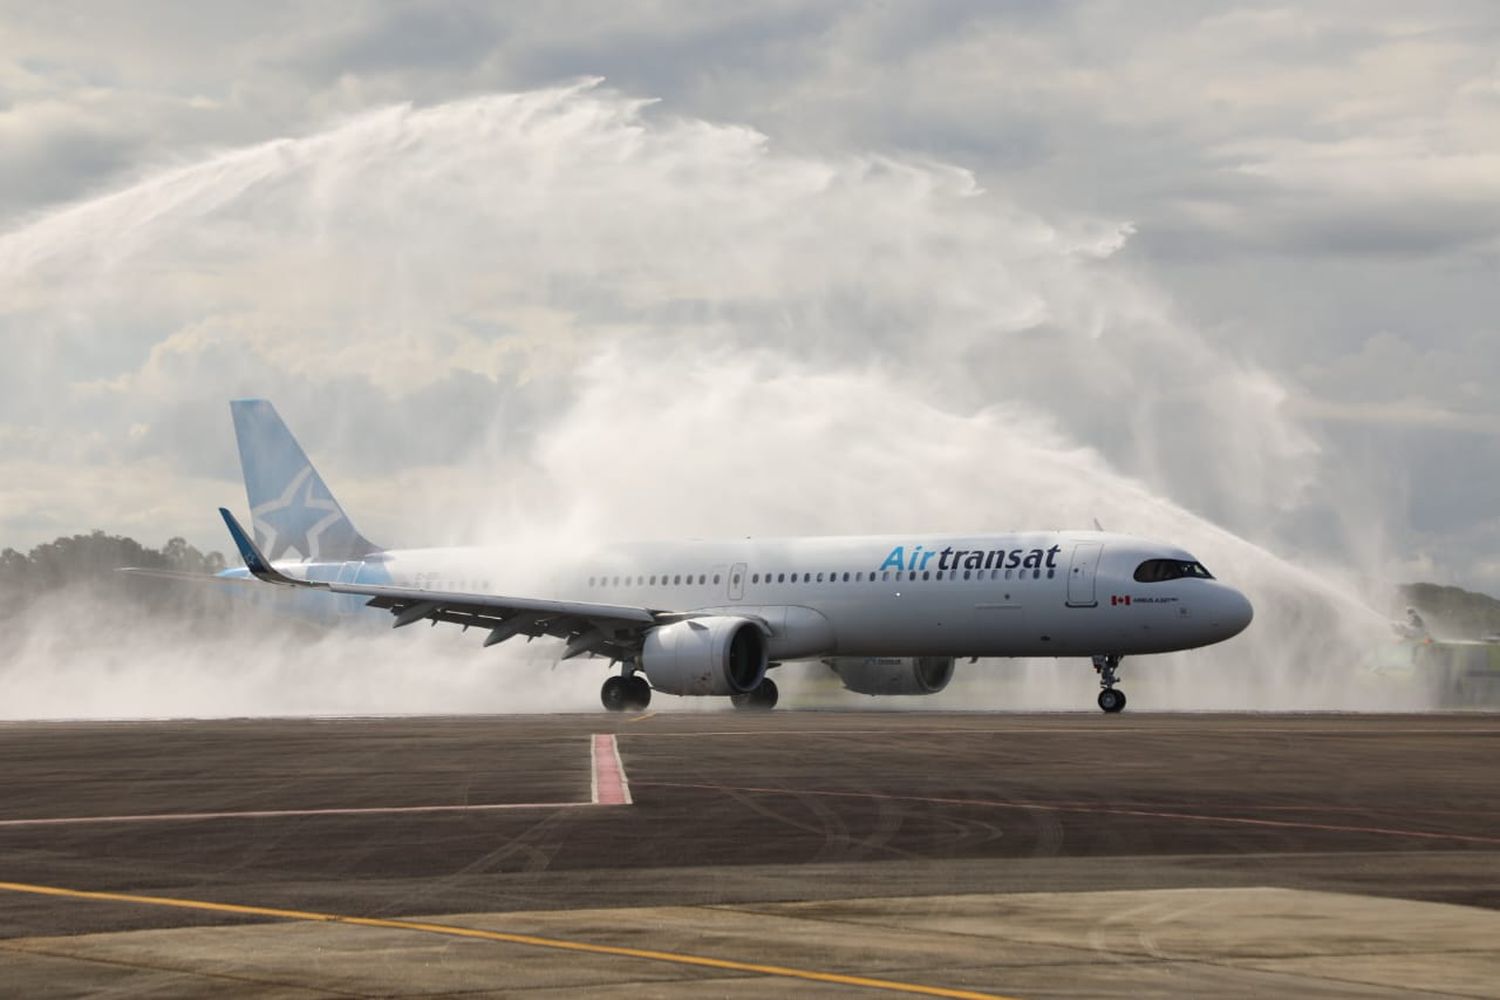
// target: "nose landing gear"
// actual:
[[1111, 698]]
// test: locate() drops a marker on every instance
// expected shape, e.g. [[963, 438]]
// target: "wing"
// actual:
[[612, 630]]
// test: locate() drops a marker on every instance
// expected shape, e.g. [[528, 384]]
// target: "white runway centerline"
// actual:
[[607, 783]]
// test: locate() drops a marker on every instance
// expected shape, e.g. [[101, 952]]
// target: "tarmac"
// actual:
[[720, 853]]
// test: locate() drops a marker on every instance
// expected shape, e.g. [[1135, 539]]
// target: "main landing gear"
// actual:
[[625, 694], [1111, 698], [761, 698]]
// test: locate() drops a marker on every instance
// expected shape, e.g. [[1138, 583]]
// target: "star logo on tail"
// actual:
[[295, 520]]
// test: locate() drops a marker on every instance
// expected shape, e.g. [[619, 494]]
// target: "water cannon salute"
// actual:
[[433, 436], [424, 328]]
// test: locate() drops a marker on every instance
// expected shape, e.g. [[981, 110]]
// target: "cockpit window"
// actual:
[[1160, 570]]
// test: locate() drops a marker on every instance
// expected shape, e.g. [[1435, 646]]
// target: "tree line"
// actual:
[[89, 558], [89, 563], [1453, 610]]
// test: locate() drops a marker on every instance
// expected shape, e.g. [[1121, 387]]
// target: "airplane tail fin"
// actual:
[[291, 508]]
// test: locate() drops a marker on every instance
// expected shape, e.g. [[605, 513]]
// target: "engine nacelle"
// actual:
[[890, 675], [717, 655]]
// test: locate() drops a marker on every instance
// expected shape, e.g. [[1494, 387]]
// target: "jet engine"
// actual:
[[716, 655], [889, 675]]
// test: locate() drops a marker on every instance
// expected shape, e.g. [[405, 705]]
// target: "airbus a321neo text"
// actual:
[[889, 614]]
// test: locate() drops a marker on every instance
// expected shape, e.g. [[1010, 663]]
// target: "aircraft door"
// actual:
[[1081, 574], [737, 582]]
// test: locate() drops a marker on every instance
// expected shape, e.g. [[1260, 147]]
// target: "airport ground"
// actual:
[[791, 853]]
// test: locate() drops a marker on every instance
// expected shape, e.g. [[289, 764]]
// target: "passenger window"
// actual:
[[846, 577], [702, 578], [653, 581], [966, 573], [885, 575], [755, 578], [820, 577], [781, 578], [716, 578], [1007, 574], [735, 579], [927, 574]]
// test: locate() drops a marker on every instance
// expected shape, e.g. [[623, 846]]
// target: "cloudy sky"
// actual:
[[775, 267]]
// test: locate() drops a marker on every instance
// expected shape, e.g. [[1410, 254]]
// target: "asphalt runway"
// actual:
[[968, 854]]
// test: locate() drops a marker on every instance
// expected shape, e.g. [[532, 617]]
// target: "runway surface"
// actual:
[[735, 854]]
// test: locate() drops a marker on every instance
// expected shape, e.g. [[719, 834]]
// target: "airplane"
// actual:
[[888, 614]]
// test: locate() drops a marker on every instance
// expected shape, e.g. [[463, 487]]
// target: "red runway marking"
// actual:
[[1054, 807], [610, 786]]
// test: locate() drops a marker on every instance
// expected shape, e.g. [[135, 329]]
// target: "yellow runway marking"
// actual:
[[530, 940], [643, 718]]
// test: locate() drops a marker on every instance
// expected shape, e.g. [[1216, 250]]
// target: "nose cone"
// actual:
[[1232, 613]]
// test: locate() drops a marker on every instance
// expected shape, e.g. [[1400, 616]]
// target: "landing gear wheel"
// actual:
[[637, 693], [761, 699], [615, 693], [1110, 699]]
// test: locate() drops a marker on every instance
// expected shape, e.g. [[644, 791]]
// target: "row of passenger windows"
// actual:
[[432, 581], [665, 579], [886, 576]]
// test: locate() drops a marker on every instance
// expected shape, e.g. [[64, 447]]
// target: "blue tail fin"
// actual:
[[291, 509]]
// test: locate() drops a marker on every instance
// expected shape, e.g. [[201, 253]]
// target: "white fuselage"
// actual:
[[1023, 594]]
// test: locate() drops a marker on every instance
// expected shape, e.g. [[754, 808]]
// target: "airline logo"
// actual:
[[948, 559], [295, 520]]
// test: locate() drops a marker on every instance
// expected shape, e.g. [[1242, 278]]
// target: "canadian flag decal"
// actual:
[[1119, 599]]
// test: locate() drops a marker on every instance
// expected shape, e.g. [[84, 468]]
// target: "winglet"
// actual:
[[260, 567]]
